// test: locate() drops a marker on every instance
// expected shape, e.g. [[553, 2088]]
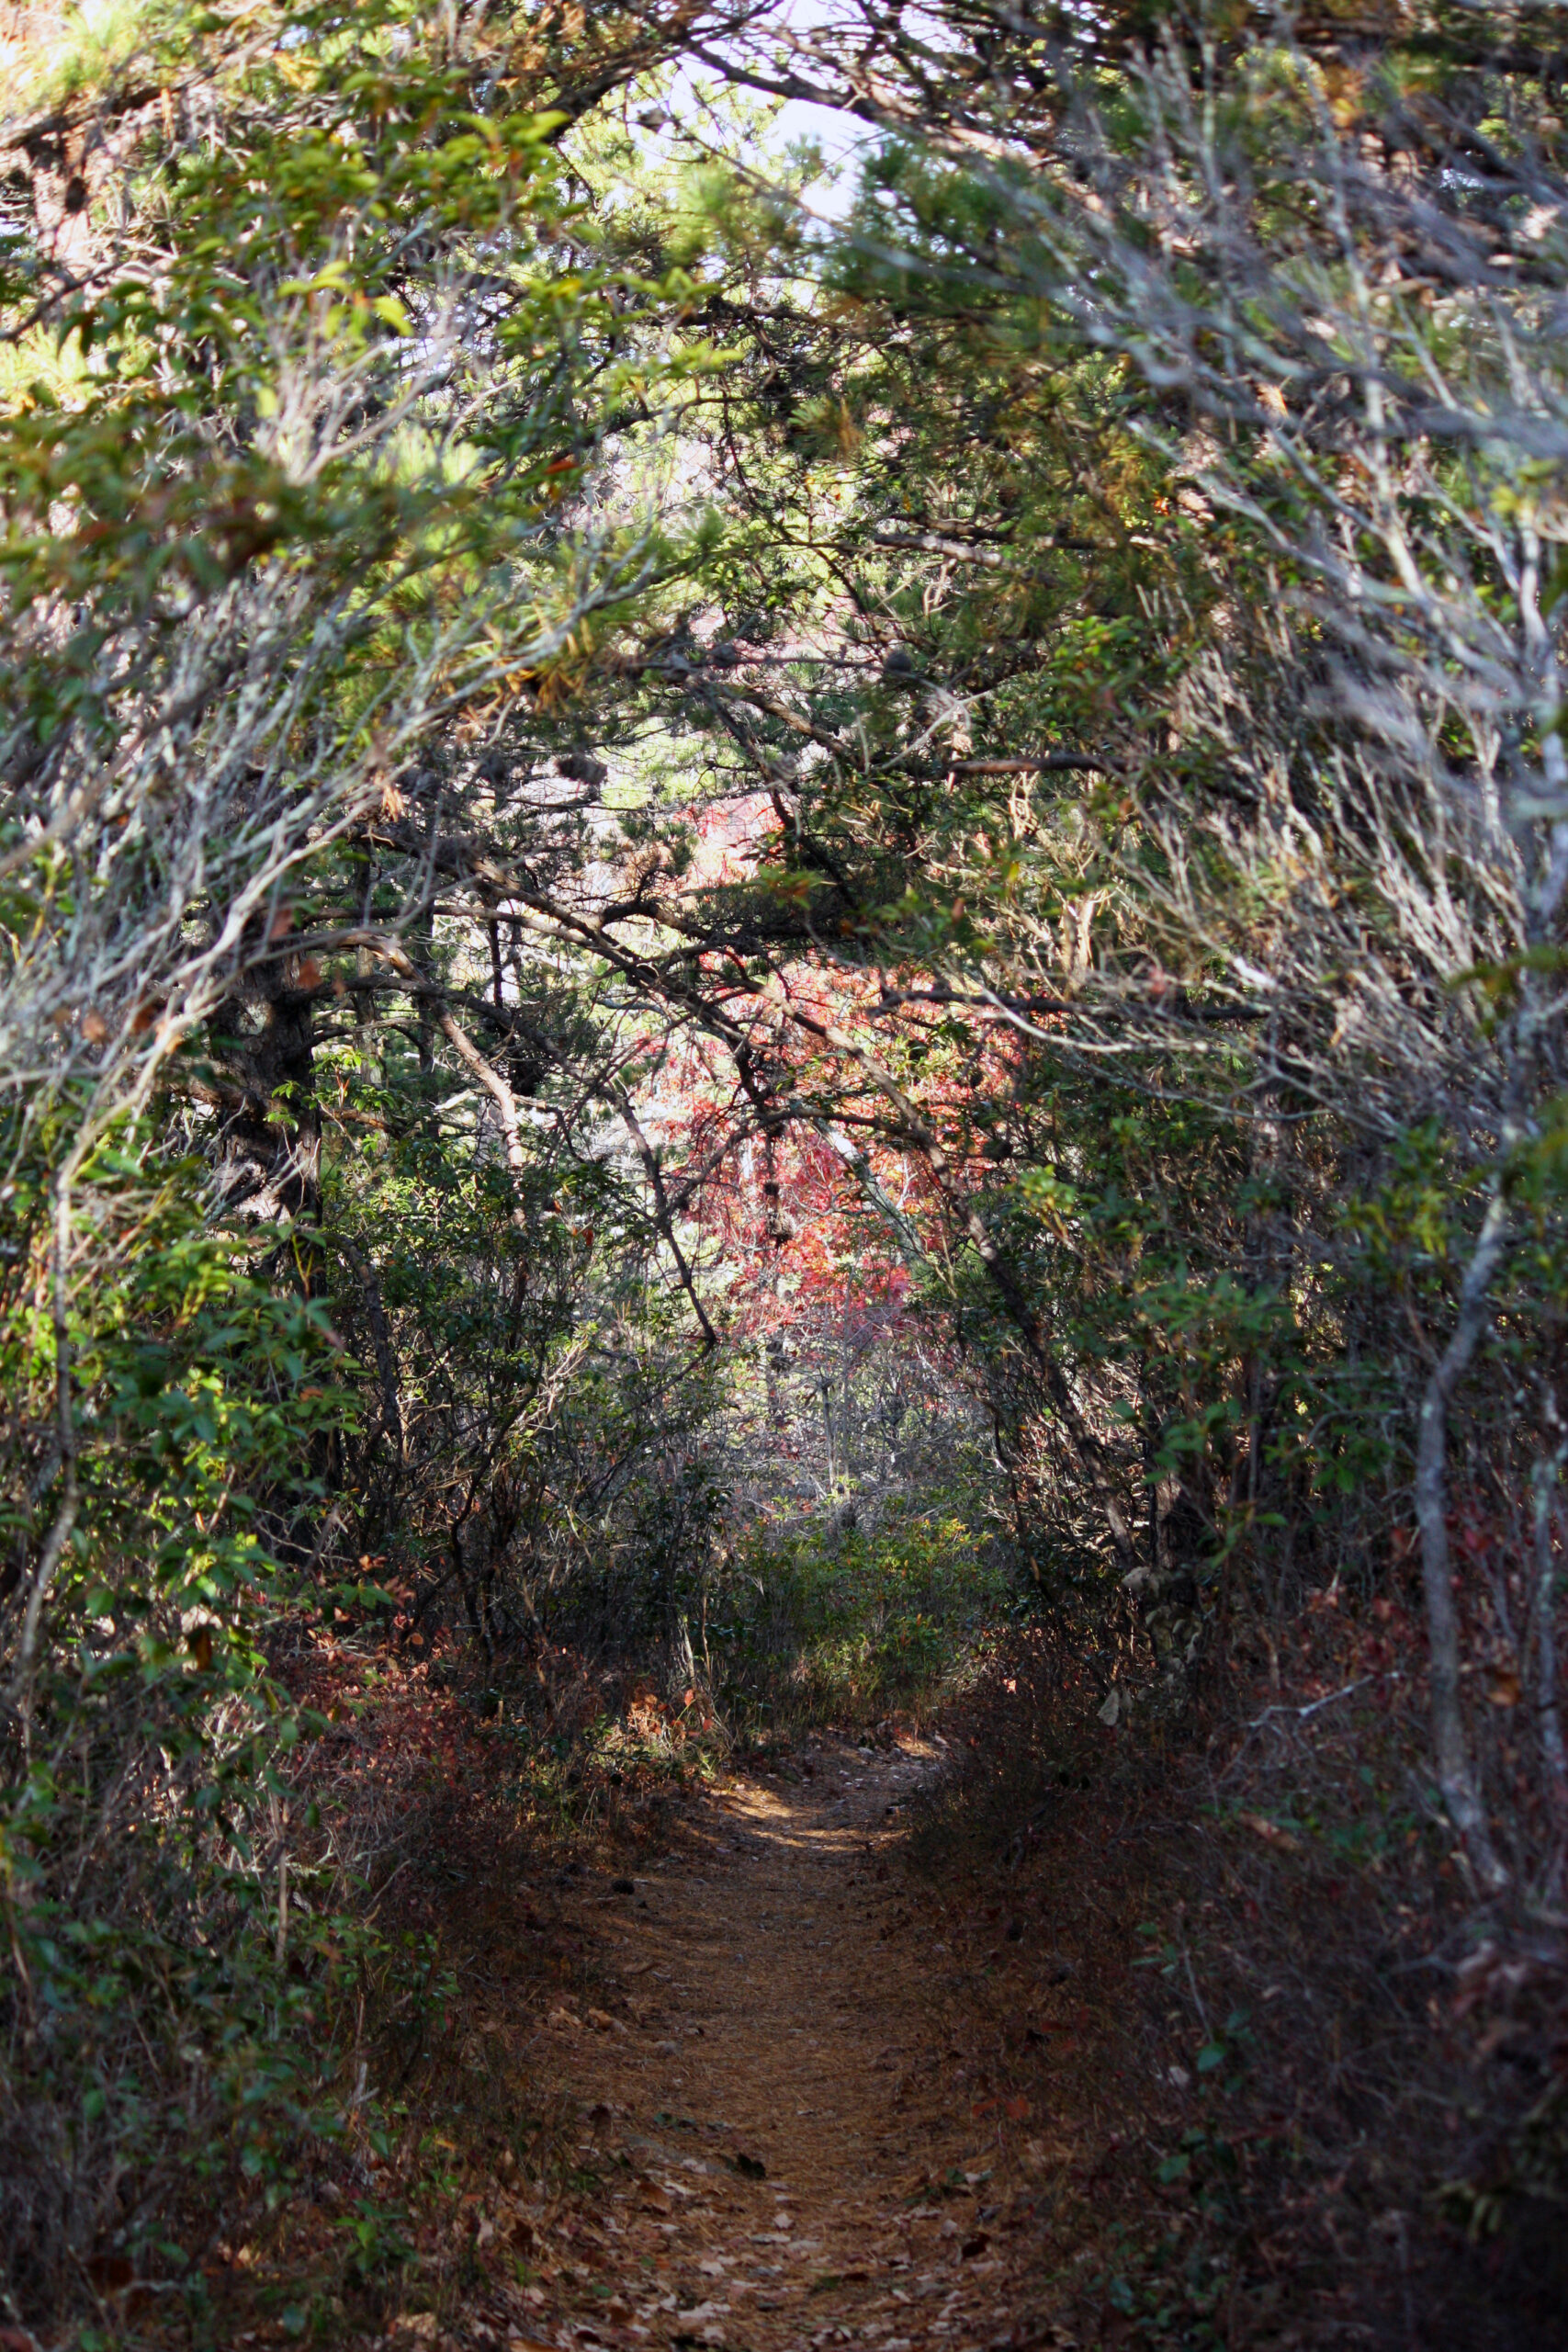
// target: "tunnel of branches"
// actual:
[[782, 843]]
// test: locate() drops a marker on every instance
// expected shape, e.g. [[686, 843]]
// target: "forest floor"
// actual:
[[852, 2042], [999, 2035], [790, 2132]]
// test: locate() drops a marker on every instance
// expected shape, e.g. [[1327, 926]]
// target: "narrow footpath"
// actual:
[[792, 2149]]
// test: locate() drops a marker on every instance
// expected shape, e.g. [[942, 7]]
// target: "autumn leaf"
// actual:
[[1271, 1833]]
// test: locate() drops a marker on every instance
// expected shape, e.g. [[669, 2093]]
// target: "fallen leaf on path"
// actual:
[[1271, 1833]]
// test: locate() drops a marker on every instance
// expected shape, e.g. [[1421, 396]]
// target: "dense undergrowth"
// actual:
[[391, 1829], [1294, 2090]]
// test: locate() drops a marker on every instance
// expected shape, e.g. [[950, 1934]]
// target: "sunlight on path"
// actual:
[[784, 2163]]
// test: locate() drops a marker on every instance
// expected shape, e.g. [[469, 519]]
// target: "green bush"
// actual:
[[180, 1958], [849, 1626]]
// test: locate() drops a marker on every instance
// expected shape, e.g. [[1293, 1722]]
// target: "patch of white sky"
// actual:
[[841, 141], [789, 39]]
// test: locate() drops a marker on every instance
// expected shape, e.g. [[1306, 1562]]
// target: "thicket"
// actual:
[[732, 934]]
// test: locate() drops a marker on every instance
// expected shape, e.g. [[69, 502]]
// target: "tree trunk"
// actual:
[[1450, 1747], [1543, 1607], [269, 1154]]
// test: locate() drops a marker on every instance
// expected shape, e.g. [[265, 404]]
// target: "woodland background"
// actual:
[[783, 938]]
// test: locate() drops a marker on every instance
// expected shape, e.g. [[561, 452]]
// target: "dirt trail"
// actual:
[[779, 2005]]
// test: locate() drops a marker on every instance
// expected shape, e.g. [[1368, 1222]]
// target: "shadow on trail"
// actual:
[[788, 2150]]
